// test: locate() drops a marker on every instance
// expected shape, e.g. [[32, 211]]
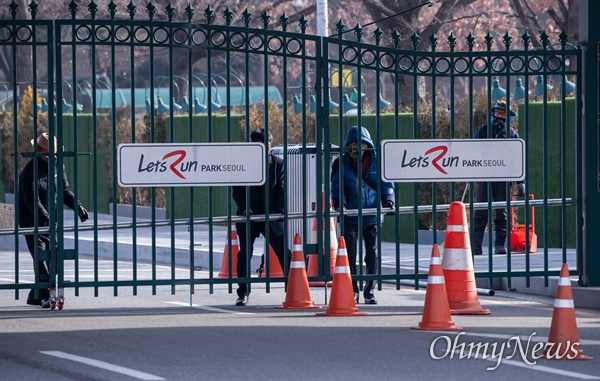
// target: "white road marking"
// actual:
[[207, 308], [542, 368], [522, 337], [104, 365]]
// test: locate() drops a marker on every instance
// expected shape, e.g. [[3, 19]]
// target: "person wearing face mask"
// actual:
[[498, 130], [360, 162], [33, 194]]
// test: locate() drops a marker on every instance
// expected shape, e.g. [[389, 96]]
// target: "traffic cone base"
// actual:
[[341, 302], [436, 312], [563, 341], [464, 301], [297, 295]]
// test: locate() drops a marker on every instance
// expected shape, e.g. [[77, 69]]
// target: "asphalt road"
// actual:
[[204, 337]]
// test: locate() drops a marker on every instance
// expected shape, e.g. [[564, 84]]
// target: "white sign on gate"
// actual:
[[453, 160], [197, 164]]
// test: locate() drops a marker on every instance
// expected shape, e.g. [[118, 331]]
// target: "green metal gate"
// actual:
[[159, 80]]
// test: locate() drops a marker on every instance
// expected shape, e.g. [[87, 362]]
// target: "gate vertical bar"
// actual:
[[75, 149], [133, 140], [209, 14], [172, 134], [416, 135], [114, 141], [16, 162]]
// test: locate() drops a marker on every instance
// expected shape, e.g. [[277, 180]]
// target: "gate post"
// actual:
[[589, 33]]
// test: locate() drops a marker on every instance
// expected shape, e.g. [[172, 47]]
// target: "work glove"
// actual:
[[83, 214], [387, 204], [520, 189]]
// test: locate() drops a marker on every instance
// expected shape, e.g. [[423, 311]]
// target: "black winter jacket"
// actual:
[[27, 192], [257, 193]]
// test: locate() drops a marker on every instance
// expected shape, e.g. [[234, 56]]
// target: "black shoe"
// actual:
[[34, 302], [241, 301], [370, 300], [45, 303], [356, 294], [477, 250], [500, 250]]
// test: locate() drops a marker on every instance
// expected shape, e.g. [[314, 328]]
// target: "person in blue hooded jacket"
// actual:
[[345, 192]]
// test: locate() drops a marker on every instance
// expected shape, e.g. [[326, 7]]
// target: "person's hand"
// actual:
[[83, 214], [387, 204], [520, 189]]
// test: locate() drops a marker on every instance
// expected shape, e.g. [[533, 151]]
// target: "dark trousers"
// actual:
[[42, 243], [276, 242], [481, 216], [369, 234]]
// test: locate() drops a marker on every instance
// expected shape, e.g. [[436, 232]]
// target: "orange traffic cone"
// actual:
[[235, 248], [298, 293], [436, 314], [563, 342], [313, 259], [342, 301], [275, 270], [458, 265]]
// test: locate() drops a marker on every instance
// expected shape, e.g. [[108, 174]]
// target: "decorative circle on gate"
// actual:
[[535, 63], [256, 42], [180, 36], [386, 61], [102, 33], [294, 46], [161, 35], [122, 34], [5, 34], [349, 54], [24, 33], [424, 64], [218, 38], [83, 32], [498, 64], [516, 64], [480, 65], [141, 34], [554, 63], [461, 65], [199, 37], [274, 44], [406, 63], [237, 40], [442, 65], [368, 57]]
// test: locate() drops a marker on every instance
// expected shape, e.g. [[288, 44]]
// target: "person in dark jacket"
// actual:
[[345, 192], [498, 131], [257, 206], [33, 194]]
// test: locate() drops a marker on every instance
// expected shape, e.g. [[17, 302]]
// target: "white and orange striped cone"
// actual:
[[436, 313], [563, 342], [275, 269], [313, 259], [458, 265], [342, 301], [235, 248], [297, 295]]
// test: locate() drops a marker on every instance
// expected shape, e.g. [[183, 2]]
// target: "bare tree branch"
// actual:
[[525, 22]]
